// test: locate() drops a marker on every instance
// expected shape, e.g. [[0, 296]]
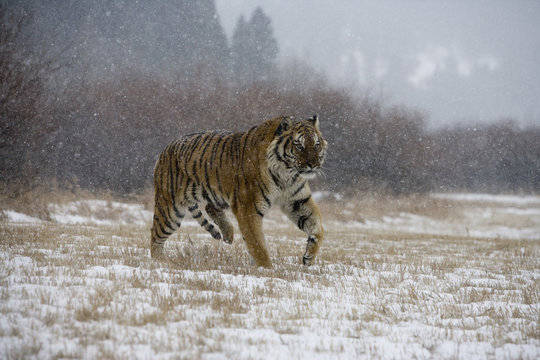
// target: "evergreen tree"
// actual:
[[201, 39], [240, 51], [168, 37], [254, 48]]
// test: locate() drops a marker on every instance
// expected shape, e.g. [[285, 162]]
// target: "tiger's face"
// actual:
[[303, 148]]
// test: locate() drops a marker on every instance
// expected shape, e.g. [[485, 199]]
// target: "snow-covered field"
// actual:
[[444, 276]]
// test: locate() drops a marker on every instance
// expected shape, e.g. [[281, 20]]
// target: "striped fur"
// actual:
[[248, 172]]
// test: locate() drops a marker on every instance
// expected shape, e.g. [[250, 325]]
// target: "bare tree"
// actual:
[[23, 72], [20, 88]]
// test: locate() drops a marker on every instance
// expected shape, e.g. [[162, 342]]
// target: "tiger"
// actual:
[[246, 172]]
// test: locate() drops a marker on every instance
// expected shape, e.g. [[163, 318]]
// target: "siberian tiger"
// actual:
[[248, 172]]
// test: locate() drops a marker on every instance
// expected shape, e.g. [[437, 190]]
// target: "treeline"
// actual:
[[110, 138], [491, 157], [106, 132]]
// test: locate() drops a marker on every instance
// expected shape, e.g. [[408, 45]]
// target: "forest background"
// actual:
[[90, 94]]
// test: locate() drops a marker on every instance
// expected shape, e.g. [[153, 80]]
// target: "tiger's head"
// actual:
[[300, 146]]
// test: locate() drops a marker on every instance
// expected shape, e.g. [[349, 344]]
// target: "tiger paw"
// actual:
[[156, 251], [307, 259], [228, 235]]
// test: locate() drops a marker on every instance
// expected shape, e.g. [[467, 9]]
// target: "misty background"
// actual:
[[413, 96], [459, 61]]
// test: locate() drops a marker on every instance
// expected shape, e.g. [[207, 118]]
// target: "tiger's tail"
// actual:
[[197, 214]]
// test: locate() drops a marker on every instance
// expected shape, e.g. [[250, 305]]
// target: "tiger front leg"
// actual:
[[306, 215], [312, 248], [250, 224]]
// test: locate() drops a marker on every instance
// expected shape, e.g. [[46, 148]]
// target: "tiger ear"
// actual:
[[314, 120], [286, 123]]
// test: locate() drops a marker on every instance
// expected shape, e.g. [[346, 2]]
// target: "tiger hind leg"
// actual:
[[166, 221], [197, 214], [220, 218]]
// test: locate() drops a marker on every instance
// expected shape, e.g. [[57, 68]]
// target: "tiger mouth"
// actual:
[[308, 174]]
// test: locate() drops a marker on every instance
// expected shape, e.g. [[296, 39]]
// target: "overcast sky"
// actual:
[[459, 60]]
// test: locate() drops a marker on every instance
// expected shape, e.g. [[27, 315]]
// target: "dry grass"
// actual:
[[374, 206], [35, 201], [93, 291]]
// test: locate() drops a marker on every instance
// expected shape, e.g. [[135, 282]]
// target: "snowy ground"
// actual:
[[446, 276]]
